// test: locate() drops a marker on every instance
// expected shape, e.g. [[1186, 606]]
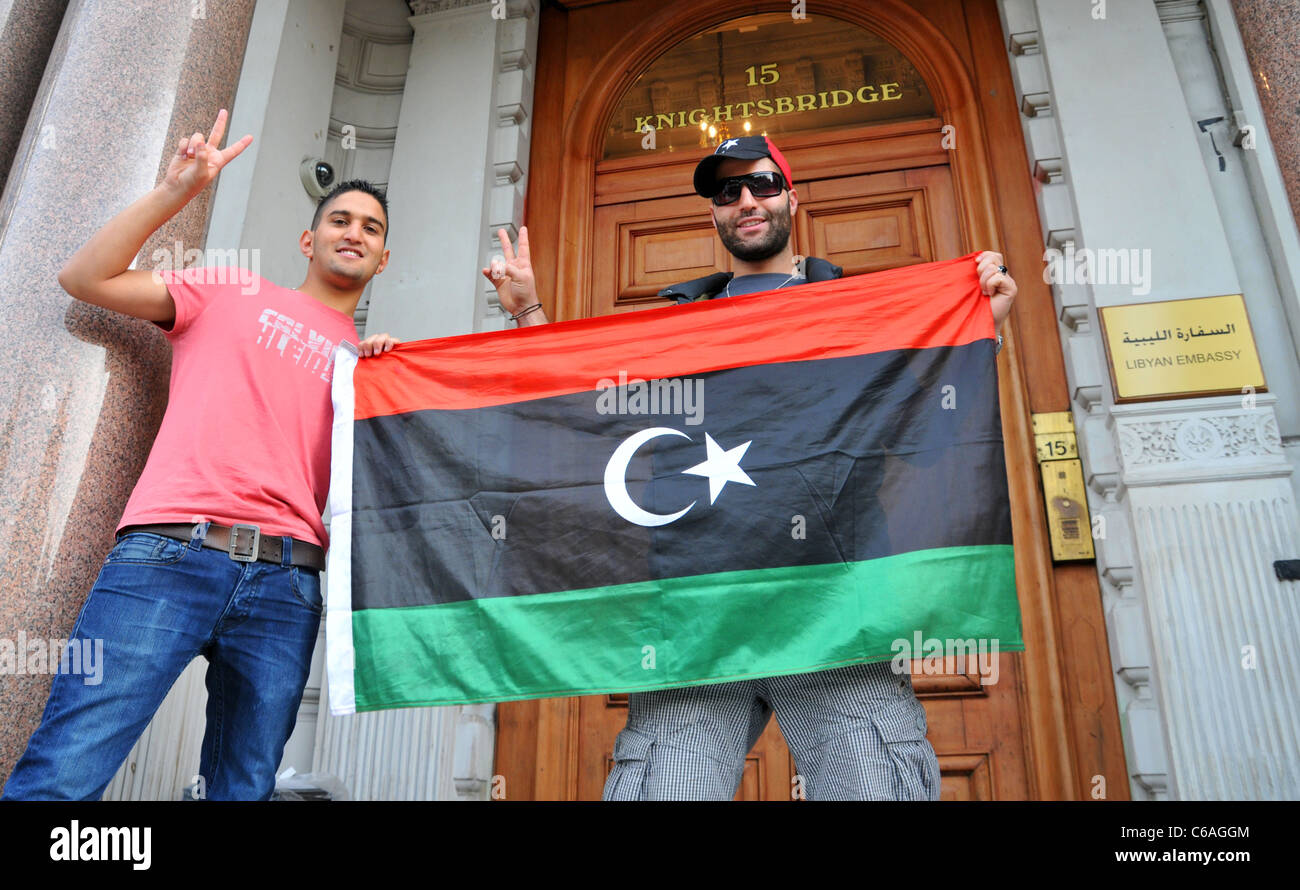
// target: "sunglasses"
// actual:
[[764, 184]]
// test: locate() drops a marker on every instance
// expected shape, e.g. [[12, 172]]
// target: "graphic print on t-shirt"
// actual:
[[315, 352]]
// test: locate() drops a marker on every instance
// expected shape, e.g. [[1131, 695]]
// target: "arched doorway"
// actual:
[[613, 222]]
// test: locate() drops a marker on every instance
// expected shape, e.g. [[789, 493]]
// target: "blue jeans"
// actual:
[[159, 602]]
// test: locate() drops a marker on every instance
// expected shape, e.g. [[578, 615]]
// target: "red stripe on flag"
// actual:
[[915, 307]]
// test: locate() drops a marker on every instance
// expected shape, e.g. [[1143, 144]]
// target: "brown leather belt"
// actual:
[[244, 543]]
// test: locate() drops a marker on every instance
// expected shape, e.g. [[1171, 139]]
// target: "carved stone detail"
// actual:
[[425, 7], [1198, 440], [1130, 444], [1216, 437]]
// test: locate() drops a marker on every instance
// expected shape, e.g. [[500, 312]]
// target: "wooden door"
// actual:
[[863, 222], [608, 235]]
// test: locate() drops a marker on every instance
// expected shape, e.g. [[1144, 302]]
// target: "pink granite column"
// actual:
[[27, 32], [1270, 29], [82, 390]]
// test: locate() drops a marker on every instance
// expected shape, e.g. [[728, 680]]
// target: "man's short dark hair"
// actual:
[[353, 185]]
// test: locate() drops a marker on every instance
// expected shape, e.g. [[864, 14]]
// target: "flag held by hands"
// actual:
[[760, 485]]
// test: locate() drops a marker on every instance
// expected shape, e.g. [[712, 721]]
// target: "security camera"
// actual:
[[317, 176]]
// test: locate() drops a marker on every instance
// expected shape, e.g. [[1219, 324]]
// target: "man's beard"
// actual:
[[775, 241]]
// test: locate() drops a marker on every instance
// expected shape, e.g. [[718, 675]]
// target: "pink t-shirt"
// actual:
[[246, 436]]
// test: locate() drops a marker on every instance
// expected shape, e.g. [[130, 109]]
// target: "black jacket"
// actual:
[[708, 287]]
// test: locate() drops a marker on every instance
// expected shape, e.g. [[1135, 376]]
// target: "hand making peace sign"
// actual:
[[198, 161], [513, 276]]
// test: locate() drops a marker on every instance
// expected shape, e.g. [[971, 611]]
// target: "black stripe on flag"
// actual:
[[510, 500]]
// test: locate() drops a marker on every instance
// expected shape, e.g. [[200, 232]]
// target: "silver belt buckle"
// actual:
[[244, 554]]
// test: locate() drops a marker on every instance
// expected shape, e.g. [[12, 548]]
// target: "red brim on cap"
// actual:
[[780, 162]]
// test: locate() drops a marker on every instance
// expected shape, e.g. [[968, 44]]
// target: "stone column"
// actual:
[[439, 163], [1211, 508], [459, 165], [27, 32], [84, 389], [1257, 51]]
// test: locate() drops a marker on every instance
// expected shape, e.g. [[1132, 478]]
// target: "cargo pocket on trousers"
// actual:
[[627, 776], [916, 769]]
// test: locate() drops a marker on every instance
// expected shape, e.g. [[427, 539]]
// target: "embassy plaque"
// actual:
[[1180, 349]]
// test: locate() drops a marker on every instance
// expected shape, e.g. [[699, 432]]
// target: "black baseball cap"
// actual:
[[746, 148]]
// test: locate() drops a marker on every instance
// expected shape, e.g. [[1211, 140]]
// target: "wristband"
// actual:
[[524, 312]]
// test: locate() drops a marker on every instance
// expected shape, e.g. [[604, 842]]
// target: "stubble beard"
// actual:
[[778, 236]]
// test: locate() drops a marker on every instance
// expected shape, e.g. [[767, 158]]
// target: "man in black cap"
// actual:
[[753, 203], [856, 733]]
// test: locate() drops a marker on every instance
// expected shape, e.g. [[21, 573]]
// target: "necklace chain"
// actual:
[[726, 291]]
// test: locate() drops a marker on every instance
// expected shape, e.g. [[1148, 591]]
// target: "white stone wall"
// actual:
[[374, 54], [283, 99], [1194, 499], [459, 167]]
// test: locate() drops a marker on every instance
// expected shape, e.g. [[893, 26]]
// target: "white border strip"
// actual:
[[340, 657]]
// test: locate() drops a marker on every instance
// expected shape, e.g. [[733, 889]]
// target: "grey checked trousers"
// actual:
[[856, 733]]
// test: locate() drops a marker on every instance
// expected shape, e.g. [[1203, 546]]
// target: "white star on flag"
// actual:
[[723, 147], [721, 466]]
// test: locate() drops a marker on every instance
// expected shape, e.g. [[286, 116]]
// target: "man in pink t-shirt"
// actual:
[[221, 545]]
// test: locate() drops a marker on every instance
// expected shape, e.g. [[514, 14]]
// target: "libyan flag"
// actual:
[[769, 484]]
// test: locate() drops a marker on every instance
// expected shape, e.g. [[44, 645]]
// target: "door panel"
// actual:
[[644, 246], [880, 221]]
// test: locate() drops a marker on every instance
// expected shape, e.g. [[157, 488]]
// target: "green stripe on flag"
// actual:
[[683, 631]]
